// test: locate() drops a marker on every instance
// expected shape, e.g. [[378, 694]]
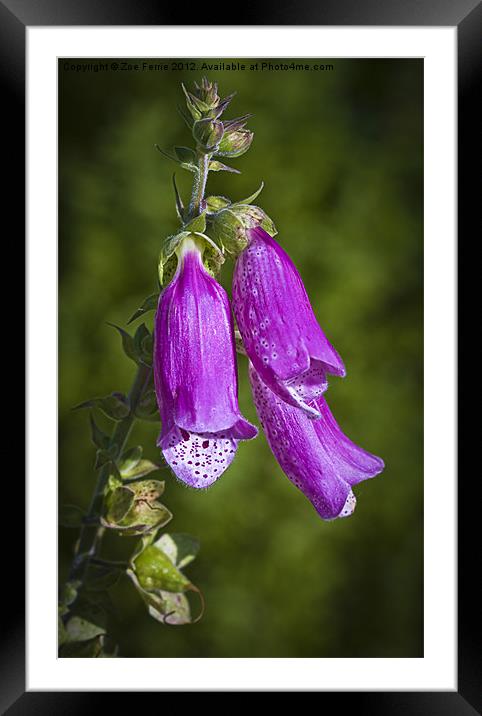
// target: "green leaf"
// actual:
[[215, 203], [175, 609], [215, 166], [99, 438], [91, 649], [79, 629], [251, 198], [185, 154], [130, 459], [149, 304], [180, 548], [70, 516], [146, 408], [119, 502], [155, 570], [62, 633], [114, 406], [127, 343], [141, 468], [143, 343], [70, 592]]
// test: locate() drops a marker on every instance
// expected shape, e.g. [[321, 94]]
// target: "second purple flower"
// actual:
[[280, 333]]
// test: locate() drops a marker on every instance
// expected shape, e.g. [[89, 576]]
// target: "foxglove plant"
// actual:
[[289, 355], [187, 378]]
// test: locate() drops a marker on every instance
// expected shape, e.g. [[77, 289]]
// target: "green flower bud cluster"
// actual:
[[213, 137]]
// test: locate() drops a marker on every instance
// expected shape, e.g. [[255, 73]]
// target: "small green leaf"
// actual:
[[99, 438], [70, 516], [149, 304], [114, 406], [155, 570], [215, 166], [185, 154], [141, 468], [79, 629]]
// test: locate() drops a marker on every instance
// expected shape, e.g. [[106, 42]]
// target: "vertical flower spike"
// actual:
[[315, 455], [195, 373], [279, 330]]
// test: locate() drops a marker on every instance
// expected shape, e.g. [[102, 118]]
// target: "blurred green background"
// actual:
[[341, 154]]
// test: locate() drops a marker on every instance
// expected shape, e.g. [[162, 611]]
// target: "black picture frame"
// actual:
[[15, 17]]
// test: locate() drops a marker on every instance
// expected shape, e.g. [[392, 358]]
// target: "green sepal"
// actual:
[[149, 304], [216, 203], [253, 216], [198, 224], [115, 406], [215, 166], [134, 509], [228, 230], [213, 257], [208, 134], [167, 258]]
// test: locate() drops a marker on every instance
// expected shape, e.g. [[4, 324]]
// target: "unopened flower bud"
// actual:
[[235, 143], [208, 133]]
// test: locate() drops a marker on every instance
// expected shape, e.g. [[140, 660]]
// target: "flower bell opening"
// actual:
[[314, 454]]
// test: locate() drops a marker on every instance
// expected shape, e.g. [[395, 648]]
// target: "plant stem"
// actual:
[[199, 185], [91, 532]]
